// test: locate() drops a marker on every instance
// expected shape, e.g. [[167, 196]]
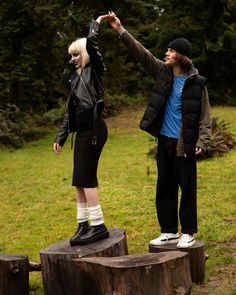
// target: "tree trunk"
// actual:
[[197, 258], [14, 274], [141, 274], [59, 276]]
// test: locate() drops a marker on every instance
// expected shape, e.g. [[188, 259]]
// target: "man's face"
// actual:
[[171, 57], [76, 59]]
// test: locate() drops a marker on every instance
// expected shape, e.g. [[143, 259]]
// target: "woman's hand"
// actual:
[[102, 18], [113, 21], [56, 148]]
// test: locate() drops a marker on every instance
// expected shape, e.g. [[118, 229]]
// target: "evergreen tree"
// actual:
[[30, 39], [35, 36], [210, 26]]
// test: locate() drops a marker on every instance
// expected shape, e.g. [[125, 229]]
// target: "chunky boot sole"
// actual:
[[93, 239], [74, 242], [82, 230]]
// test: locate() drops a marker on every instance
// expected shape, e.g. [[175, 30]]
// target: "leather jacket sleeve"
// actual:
[[63, 131], [96, 58]]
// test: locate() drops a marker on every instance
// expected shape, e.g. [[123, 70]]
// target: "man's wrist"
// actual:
[[121, 30]]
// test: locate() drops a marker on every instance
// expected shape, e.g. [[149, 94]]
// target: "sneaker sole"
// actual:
[[174, 241], [187, 246]]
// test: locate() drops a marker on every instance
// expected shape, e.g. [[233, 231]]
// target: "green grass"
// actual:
[[38, 205]]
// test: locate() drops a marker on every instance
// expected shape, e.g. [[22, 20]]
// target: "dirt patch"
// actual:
[[128, 117], [224, 277], [230, 220]]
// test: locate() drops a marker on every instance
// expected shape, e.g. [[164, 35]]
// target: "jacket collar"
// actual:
[[192, 72]]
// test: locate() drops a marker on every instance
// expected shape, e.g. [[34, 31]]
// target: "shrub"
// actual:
[[11, 127], [16, 127], [222, 140], [52, 117]]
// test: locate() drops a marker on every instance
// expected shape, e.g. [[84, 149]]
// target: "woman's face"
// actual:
[[171, 57], [76, 59]]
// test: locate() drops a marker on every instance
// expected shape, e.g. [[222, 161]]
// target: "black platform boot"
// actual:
[[96, 233], [83, 228]]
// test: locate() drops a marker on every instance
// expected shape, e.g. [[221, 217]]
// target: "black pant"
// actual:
[[175, 172]]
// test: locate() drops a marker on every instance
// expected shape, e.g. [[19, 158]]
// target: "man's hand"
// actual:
[[198, 150]]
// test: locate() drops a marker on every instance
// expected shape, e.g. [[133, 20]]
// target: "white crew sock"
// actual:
[[96, 215], [82, 212]]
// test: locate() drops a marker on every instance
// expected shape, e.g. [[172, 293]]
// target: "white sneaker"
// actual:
[[165, 239], [186, 241]]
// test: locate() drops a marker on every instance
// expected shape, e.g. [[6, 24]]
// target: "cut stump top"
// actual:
[[10, 257], [64, 247], [135, 260], [198, 244]]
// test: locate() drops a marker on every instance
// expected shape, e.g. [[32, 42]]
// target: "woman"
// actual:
[[83, 116], [178, 114]]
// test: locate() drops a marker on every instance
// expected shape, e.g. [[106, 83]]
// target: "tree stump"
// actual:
[[197, 258], [14, 274], [59, 276], [164, 273]]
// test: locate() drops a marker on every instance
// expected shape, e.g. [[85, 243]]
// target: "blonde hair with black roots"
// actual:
[[79, 46]]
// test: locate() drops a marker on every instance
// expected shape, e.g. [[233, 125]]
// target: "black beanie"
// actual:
[[181, 45]]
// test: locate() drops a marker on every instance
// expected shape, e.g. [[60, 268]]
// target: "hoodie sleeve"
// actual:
[[204, 122], [151, 64]]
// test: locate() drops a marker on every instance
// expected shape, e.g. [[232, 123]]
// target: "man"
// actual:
[[178, 114]]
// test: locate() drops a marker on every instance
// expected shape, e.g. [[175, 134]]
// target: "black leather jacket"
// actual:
[[86, 89]]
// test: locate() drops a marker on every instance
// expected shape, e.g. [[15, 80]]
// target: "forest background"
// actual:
[[34, 70], [34, 74]]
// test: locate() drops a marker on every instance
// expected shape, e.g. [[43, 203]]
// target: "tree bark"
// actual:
[[14, 274], [197, 258], [59, 276], [141, 274]]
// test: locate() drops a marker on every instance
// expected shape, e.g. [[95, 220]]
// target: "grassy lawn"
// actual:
[[38, 206]]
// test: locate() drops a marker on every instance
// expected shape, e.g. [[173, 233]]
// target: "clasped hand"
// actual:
[[112, 19]]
